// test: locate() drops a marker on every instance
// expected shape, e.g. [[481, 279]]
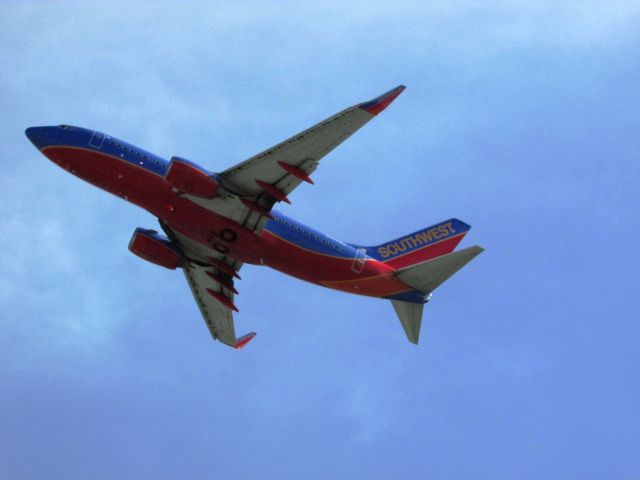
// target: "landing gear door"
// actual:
[[359, 260]]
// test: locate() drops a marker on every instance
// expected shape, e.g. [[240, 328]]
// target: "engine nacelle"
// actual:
[[155, 248], [191, 179]]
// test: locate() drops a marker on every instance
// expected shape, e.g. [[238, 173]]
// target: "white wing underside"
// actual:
[[219, 318], [303, 151]]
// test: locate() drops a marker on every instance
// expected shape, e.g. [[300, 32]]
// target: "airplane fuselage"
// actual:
[[283, 243]]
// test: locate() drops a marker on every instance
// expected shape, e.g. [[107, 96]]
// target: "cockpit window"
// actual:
[[66, 127]]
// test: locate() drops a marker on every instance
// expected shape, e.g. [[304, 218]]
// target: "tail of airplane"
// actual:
[[426, 277], [420, 246], [423, 261]]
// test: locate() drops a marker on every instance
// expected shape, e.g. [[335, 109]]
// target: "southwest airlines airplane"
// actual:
[[215, 222]]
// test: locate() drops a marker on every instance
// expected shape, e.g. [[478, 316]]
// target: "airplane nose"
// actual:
[[39, 136]]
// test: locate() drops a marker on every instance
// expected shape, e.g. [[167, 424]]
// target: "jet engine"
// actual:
[[155, 248], [191, 179]]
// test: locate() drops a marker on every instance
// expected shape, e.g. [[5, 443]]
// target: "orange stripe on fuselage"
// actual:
[[376, 278]]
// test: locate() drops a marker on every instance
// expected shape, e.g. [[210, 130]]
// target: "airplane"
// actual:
[[216, 222]]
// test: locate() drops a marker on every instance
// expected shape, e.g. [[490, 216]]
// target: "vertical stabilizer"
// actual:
[[426, 277], [410, 315]]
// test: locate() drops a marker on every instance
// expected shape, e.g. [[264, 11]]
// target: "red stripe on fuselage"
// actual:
[[426, 253], [375, 279], [148, 190]]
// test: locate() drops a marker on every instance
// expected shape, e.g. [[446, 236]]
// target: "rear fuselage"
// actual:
[[283, 244]]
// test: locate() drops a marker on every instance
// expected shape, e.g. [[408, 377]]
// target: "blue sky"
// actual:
[[521, 119]]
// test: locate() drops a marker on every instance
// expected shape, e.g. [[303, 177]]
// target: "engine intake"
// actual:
[[155, 248], [190, 178]]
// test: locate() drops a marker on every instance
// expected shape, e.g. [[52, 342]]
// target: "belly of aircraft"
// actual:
[[148, 190], [339, 273]]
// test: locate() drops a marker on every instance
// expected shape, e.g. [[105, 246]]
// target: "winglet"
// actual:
[[378, 104], [243, 340]]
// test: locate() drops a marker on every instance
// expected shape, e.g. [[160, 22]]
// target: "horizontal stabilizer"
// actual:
[[427, 276], [410, 315]]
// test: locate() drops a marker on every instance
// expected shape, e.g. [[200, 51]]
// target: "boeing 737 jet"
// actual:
[[215, 222]]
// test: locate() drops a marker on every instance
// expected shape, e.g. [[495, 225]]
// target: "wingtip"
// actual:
[[378, 104], [243, 340]]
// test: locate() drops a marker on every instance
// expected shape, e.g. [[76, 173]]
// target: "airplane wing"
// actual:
[[216, 304], [251, 188], [271, 175], [210, 277]]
